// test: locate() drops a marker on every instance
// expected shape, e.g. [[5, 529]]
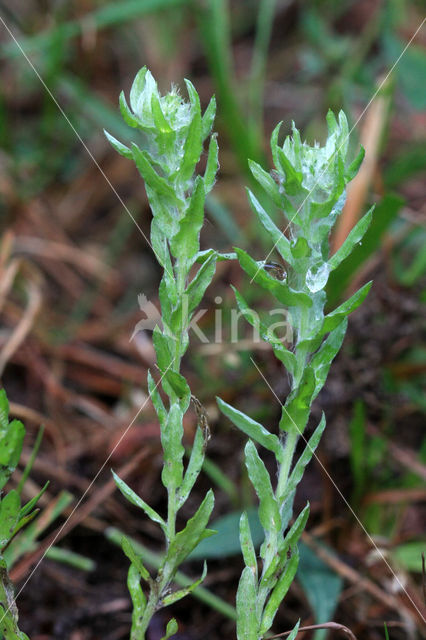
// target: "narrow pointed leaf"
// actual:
[[305, 458], [278, 594], [268, 508], [247, 546], [26, 509], [187, 539], [208, 118], [247, 622], [186, 242], [200, 282], [296, 410], [293, 178], [135, 558], [353, 168], [335, 317], [212, 164], [154, 181], [128, 117], [171, 440], [181, 593], [133, 497], [119, 146], [156, 400], [194, 467], [280, 290], [137, 88], [354, 237], [296, 531], [9, 515], [136, 594], [251, 428], [280, 241], [323, 358], [267, 182]]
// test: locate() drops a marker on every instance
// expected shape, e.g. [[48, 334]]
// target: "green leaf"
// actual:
[[281, 242], [11, 441], [171, 440], [155, 182], [9, 516], [293, 634], [161, 249], [194, 467], [162, 346], [4, 411], [208, 118], [279, 290], [118, 146], [278, 594], [305, 458], [268, 508], [296, 531], [354, 237], [156, 400], [247, 623], [212, 164], [333, 319], [180, 387], [353, 168], [135, 558], [247, 546], [128, 117], [181, 593], [133, 497], [172, 627], [322, 359], [32, 503], [251, 428], [194, 141], [186, 242], [295, 412], [160, 121], [136, 594], [267, 182], [186, 540], [200, 282], [274, 143], [137, 88], [202, 256], [293, 178]]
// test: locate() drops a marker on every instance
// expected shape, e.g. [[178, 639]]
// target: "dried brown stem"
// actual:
[[326, 625]]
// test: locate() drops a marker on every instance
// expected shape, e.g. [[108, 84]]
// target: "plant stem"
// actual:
[[155, 560]]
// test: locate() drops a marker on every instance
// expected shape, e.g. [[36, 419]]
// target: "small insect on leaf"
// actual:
[[276, 270]]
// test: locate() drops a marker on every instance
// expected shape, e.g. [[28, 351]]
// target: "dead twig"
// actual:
[[354, 577], [326, 625], [23, 327]]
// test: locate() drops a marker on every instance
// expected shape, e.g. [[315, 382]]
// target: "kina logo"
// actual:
[[152, 319]]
